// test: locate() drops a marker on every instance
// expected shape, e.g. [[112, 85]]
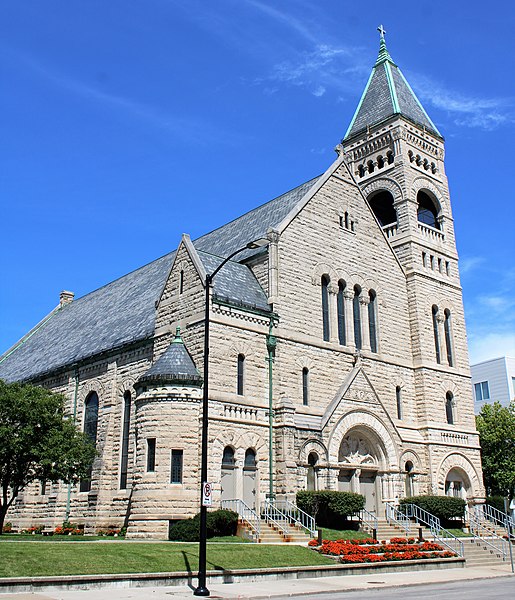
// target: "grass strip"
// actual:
[[25, 559]]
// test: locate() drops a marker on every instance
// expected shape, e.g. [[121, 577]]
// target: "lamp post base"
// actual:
[[201, 591]]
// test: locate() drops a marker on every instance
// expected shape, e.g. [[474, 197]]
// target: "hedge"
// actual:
[[330, 508], [219, 523], [443, 507]]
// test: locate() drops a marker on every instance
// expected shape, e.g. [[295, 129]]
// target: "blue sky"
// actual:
[[125, 124]]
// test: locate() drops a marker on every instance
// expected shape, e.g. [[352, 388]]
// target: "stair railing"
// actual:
[[369, 519], [485, 536], [295, 515], [275, 517], [441, 535], [496, 516], [395, 517], [248, 516]]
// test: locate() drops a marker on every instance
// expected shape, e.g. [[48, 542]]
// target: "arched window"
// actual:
[[250, 459], [380, 162], [325, 307], [311, 471], [390, 157], [408, 468], [427, 212], [228, 457], [398, 398], [434, 312], [372, 320], [90, 429], [381, 204], [356, 309], [449, 408], [448, 336], [361, 171], [305, 386], [241, 369], [124, 459], [181, 282], [340, 304]]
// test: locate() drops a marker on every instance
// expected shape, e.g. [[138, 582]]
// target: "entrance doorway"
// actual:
[[249, 479], [367, 487], [228, 475]]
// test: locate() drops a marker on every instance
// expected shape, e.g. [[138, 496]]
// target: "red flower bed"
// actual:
[[363, 551]]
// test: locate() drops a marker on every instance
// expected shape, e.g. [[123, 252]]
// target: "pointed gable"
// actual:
[[386, 94]]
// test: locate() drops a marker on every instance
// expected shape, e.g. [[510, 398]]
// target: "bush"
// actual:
[[496, 501], [219, 523], [330, 508], [443, 507]]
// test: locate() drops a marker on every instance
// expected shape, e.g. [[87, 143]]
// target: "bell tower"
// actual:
[[396, 154]]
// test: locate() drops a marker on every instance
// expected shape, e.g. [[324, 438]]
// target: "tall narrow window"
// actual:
[[356, 309], [311, 471], [228, 457], [181, 282], [241, 374], [398, 398], [124, 461], [305, 386], [448, 336], [176, 475], [250, 459], [340, 303], [90, 429], [449, 408], [325, 307], [372, 320], [151, 455], [436, 334]]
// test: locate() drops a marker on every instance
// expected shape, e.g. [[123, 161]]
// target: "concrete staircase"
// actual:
[[270, 534], [478, 554], [385, 531]]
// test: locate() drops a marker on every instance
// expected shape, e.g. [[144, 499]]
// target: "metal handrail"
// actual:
[[487, 537], [247, 515], [271, 513], [441, 535], [498, 517], [368, 518], [296, 514], [396, 517]]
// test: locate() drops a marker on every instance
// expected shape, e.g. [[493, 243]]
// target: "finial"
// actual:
[[384, 55], [382, 31], [177, 339]]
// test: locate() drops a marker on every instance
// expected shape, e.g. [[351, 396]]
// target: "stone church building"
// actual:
[[347, 318]]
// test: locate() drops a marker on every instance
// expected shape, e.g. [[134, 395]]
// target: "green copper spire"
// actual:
[[386, 95], [177, 339], [383, 55]]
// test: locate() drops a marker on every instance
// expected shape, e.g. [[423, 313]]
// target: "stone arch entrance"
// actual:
[[458, 477], [360, 457], [457, 483]]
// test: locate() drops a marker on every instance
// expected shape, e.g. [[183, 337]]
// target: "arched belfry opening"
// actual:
[[427, 210], [381, 203]]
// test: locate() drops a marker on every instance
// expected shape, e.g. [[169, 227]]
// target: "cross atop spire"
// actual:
[[382, 31]]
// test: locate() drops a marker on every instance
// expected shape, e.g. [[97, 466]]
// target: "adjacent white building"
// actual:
[[493, 381]]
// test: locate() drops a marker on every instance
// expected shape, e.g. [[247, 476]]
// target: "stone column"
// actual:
[[364, 301], [348, 295], [333, 313]]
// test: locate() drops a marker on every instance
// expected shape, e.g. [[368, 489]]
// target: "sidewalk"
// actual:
[[275, 588]]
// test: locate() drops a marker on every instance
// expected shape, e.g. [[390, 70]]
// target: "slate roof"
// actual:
[[175, 365], [387, 94], [123, 311]]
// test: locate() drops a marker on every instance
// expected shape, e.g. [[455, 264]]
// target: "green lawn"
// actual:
[[344, 534], [28, 559]]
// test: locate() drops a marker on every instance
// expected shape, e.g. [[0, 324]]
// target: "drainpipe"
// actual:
[[271, 343], [75, 396]]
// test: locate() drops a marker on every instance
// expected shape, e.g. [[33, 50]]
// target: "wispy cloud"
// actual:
[[465, 111], [469, 264], [493, 345], [188, 129]]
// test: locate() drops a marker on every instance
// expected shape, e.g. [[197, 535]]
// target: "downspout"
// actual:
[[75, 396], [271, 343]]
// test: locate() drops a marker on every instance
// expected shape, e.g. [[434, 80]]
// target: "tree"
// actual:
[[496, 426], [38, 441]]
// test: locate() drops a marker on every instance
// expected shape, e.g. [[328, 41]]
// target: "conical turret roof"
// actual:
[[386, 94], [175, 365]]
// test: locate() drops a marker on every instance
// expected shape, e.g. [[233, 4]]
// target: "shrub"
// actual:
[[7, 528], [496, 501], [330, 508], [443, 507], [219, 523]]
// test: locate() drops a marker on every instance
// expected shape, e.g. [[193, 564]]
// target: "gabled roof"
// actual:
[[112, 316], [175, 365], [123, 311], [386, 94]]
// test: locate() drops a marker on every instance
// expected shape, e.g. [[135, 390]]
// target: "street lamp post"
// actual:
[[201, 589]]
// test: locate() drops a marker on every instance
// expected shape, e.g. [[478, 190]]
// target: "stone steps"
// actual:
[[270, 534], [480, 555]]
